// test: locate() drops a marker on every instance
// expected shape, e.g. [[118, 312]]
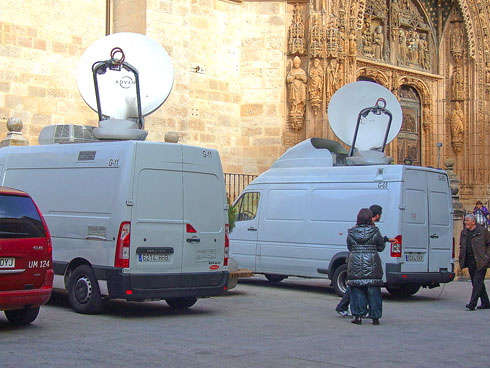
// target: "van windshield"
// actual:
[[19, 218]]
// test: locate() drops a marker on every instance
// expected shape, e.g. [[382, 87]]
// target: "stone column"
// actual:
[[459, 212], [14, 136]]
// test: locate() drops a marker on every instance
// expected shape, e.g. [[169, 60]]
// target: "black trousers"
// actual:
[[478, 282]]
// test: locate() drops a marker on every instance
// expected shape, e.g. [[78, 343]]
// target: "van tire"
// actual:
[[339, 279], [181, 303], [274, 278], [19, 317], [83, 291], [403, 291]]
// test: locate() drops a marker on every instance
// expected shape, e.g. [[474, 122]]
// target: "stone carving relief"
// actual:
[[316, 39], [332, 78], [456, 117], [408, 44], [296, 81], [315, 85], [296, 40]]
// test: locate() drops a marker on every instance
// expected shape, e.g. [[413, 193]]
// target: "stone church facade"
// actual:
[[253, 78]]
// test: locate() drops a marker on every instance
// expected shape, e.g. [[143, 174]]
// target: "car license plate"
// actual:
[[154, 257], [414, 257], [7, 262]]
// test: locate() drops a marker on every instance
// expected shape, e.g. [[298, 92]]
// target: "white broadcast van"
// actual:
[[293, 219], [128, 219]]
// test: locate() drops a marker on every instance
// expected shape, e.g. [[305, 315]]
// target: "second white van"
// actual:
[[293, 219]]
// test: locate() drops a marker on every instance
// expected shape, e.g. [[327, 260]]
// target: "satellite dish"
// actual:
[[376, 104], [131, 74]]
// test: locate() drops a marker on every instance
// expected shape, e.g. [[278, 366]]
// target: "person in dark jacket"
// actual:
[[343, 307], [364, 269], [474, 253]]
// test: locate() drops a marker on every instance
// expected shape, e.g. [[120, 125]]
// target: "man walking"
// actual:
[[474, 253]]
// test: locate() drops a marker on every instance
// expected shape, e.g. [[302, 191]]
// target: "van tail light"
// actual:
[[190, 229], [453, 248], [227, 245], [122, 247], [48, 279], [48, 235], [396, 248]]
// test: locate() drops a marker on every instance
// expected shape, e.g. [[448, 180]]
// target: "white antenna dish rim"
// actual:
[[345, 106]]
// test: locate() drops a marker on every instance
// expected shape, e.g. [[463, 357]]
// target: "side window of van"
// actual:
[[247, 206]]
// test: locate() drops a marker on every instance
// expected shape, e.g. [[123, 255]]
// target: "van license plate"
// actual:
[[154, 257], [7, 262], [414, 257]]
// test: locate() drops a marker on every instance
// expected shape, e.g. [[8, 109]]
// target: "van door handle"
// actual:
[[434, 236], [193, 240], [252, 229]]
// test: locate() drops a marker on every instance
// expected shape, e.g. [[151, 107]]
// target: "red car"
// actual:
[[26, 270]]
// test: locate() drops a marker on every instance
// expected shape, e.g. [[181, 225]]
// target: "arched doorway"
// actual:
[[408, 146]]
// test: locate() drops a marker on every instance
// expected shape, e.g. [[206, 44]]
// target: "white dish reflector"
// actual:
[[349, 101], [118, 88]]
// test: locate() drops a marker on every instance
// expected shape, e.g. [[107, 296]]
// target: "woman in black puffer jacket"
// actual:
[[364, 270]]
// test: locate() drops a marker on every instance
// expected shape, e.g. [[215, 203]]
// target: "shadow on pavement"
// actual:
[[122, 308], [313, 285]]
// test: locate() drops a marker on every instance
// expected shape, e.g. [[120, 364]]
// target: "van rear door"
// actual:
[[204, 215], [415, 225], [427, 221], [157, 226], [440, 222]]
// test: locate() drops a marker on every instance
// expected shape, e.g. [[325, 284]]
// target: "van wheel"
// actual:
[[339, 279], [274, 278], [181, 303], [83, 291], [403, 291], [20, 317]]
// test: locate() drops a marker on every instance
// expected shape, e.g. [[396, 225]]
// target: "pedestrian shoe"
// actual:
[[470, 307], [375, 321], [483, 306], [343, 313], [356, 320]]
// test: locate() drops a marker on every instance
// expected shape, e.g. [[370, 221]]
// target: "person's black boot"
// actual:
[[357, 320], [375, 321]]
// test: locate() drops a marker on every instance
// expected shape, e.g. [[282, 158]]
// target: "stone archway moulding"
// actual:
[[465, 10]]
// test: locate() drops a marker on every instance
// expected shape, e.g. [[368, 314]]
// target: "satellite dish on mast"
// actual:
[[365, 116], [124, 77]]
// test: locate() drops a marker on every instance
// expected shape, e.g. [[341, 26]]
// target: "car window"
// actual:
[[247, 206], [19, 218]]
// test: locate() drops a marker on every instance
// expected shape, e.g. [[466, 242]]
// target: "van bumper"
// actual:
[[421, 278], [24, 298], [157, 286]]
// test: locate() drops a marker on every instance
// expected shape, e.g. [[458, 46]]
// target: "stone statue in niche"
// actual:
[[332, 78], [367, 39], [296, 80], [378, 42], [402, 39], [315, 85], [343, 43], [352, 43], [413, 47], [457, 85], [423, 52], [456, 119]]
